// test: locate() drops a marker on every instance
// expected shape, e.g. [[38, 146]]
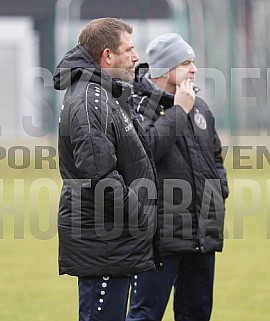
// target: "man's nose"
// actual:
[[135, 57], [194, 68]]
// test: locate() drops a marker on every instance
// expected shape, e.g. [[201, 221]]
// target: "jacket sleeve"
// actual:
[[94, 153], [165, 130], [219, 161]]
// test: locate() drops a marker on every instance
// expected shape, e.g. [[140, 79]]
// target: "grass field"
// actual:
[[31, 289]]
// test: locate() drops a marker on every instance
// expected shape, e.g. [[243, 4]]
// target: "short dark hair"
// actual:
[[103, 33]]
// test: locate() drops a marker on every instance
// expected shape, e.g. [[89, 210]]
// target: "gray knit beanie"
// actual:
[[166, 52]]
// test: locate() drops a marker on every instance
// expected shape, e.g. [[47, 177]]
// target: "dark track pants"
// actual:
[[103, 299], [192, 277]]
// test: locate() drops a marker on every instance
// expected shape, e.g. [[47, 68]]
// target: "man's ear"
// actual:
[[106, 57]]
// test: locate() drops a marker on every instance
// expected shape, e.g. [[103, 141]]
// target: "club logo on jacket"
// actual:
[[128, 124], [200, 120]]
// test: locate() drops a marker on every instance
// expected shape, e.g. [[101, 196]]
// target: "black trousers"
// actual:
[[103, 299], [191, 275]]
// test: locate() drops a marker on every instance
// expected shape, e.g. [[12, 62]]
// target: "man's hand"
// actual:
[[185, 95]]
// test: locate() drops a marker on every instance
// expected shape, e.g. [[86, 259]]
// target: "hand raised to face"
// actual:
[[185, 95]]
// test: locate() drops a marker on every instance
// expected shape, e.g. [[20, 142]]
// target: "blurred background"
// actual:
[[230, 39], [231, 42]]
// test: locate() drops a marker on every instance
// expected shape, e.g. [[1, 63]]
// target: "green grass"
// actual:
[[31, 289], [242, 272], [30, 285]]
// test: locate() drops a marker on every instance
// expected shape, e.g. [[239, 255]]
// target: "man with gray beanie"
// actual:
[[192, 182]]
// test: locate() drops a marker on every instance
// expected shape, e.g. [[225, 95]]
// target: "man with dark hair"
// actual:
[[192, 184], [107, 214]]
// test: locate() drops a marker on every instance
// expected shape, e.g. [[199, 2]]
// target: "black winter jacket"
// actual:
[[107, 217], [192, 178]]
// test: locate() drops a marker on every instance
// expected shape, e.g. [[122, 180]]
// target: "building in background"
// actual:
[[18, 55]]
